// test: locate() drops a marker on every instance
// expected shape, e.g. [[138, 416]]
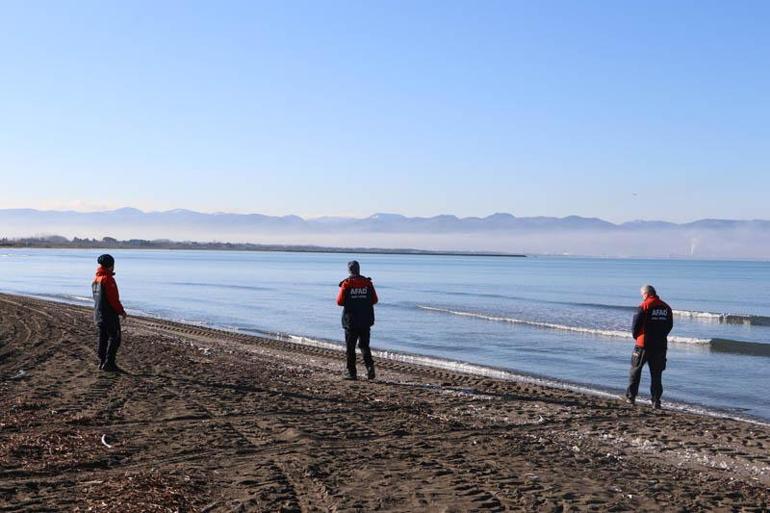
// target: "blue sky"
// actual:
[[618, 110]]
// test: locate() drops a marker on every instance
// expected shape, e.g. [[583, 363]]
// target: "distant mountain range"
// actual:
[[713, 238]]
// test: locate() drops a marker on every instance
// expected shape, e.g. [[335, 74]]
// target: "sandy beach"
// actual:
[[207, 420]]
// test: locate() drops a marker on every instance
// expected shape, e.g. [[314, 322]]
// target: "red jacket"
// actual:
[[106, 296]]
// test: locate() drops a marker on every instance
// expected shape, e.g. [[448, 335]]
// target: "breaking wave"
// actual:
[[721, 318], [560, 327], [724, 318], [715, 344]]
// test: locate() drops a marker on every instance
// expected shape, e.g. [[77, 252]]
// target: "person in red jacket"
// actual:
[[107, 309], [357, 297], [652, 324]]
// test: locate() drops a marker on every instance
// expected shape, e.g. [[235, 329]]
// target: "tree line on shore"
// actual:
[[58, 241]]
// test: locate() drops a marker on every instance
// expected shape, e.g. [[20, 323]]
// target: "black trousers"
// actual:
[[656, 361], [361, 337], [109, 342]]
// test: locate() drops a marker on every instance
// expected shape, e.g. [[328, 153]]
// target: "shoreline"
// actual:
[[207, 419], [150, 245], [460, 366]]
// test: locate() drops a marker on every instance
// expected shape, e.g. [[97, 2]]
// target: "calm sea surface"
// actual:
[[561, 318]]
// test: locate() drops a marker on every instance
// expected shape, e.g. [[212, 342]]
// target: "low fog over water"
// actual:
[[499, 232]]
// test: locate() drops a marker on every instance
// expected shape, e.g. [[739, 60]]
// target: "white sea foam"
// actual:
[[450, 365], [313, 342], [560, 327], [699, 315], [725, 318]]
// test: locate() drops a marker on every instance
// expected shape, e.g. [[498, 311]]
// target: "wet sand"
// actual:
[[205, 420]]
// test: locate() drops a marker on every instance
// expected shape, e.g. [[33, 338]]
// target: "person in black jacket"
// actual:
[[652, 323], [107, 308], [357, 297]]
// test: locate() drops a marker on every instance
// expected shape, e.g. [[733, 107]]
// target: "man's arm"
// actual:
[[636, 326], [113, 297], [341, 293], [375, 299], [670, 321]]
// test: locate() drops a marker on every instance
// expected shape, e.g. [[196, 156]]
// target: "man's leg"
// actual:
[[635, 373], [351, 337], [112, 345], [657, 364], [363, 343], [101, 345]]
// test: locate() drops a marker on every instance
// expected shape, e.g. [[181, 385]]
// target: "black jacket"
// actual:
[[357, 297], [652, 323], [107, 305]]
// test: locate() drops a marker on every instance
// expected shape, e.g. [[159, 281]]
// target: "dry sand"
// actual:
[[204, 420]]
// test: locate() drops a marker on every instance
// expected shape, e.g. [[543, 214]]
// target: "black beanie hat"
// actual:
[[106, 260], [353, 267]]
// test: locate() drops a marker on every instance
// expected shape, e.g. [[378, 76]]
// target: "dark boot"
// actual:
[[370, 372], [111, 367]]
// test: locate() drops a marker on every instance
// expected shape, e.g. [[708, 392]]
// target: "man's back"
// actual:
[[653, 322], [357, 297]]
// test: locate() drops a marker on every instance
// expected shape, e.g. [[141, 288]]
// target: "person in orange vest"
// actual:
[[357, 297], [652, 324], [107, 308]]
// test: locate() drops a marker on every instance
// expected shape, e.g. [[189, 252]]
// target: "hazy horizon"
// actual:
[[496, 233]]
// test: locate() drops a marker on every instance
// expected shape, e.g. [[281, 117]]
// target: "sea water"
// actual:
[[566, 319]]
